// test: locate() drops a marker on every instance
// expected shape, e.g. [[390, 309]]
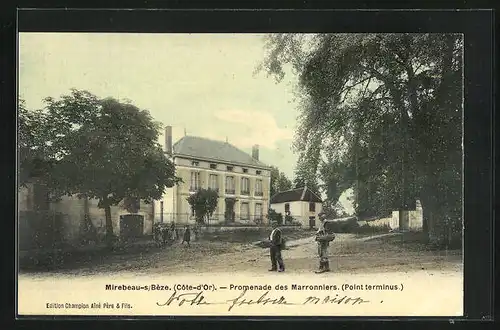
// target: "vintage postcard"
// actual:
[[240, 174]]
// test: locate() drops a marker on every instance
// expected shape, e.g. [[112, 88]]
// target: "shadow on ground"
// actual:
[[228, 251]]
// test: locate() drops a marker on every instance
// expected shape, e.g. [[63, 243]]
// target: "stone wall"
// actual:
[[69, 219], [414, 219], [217, 229]]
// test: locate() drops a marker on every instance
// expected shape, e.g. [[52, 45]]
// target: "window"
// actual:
[[312, 207], [195, 163], [245, 170], [258, 211], [258, 172], [193, 213], [230, 185], [229, 168], [258, 188], [195, 181], [312, 222], [244, 211], [213, 182], [287, 209], [245, 186], [213, 166]]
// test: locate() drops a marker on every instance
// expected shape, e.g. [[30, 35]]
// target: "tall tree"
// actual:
[[335, 180], [306, 174], [105, 149], [31, 146], [389, 107], [279, 181]]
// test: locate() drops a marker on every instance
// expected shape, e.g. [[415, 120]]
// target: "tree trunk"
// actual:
[[434, 220], [425, 220], [427, 200], [424, 203], [109, 223], [87, 230]]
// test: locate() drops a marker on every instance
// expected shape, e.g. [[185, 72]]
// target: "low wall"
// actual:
[[415, 220], [218, 229], [377, 223]]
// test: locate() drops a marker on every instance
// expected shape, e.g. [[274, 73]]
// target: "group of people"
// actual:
[[164, 234], [277, 244]]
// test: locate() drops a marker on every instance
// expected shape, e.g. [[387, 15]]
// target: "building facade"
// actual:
[[69, 219], [241, 180], [302, 204]]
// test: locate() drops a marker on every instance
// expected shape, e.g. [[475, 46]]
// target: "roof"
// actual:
[[203, 148], [296, 195]]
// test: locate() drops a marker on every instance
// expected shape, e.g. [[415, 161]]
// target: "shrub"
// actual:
[[289, 219], [274, 216], [347, 226], [367, 229], [204, 202]]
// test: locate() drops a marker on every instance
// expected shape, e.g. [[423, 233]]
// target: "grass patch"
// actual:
[[74, 257], [367, 230], [416, 241]]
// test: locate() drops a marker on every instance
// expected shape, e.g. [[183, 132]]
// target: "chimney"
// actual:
[[168, 140], [255, 152]]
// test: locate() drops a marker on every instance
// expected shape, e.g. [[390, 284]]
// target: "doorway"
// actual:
[[404, 220], [229, 213], [312, 222]]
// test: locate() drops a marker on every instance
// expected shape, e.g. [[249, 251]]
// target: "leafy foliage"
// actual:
[[305, 175], [334, 210], [279, 181], [100, 148], [289, 219], [32, 145], [204, 202], [381, 113], [275, 216]]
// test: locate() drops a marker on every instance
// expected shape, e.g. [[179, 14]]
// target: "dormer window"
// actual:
[[230, 168], [195, 163]]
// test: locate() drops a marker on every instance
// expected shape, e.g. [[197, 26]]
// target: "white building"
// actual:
[[302, 204], [412, 220], [241, 180]]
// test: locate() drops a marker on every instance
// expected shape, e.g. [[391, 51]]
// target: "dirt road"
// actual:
[[433, 278], [348, 254]]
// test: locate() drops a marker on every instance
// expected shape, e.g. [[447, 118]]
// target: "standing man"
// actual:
[[324, 263], [275, 250], [173, 232], [187, 235]]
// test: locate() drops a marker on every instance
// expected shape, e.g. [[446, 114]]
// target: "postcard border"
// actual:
[[477, 28]]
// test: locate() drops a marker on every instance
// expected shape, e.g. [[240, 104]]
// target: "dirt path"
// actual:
[[348, 254]]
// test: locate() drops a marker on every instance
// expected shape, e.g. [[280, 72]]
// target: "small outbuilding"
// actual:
[[302, 204]]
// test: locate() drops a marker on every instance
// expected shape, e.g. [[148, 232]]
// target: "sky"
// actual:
[[200, 84]]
